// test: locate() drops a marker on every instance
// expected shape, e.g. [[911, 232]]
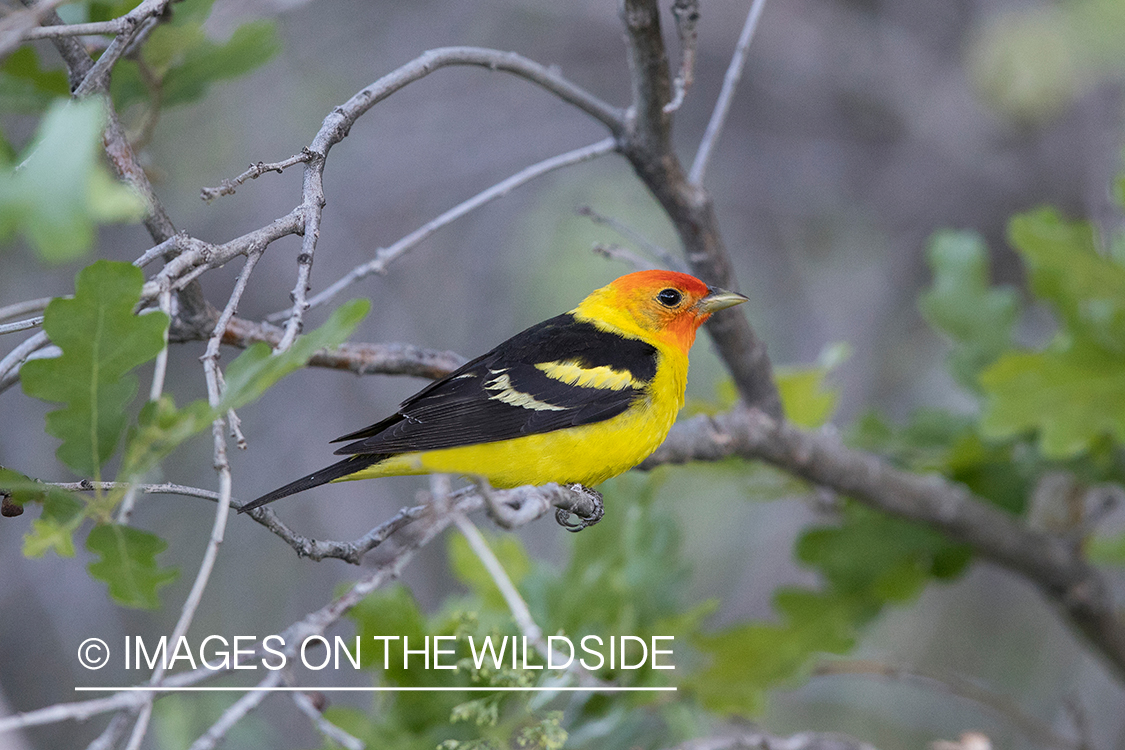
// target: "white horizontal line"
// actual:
[[379, 689]]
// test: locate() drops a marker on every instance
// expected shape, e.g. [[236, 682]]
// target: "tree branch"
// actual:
[[647, 144], [384, 256], [1054, 565], [726, 95]]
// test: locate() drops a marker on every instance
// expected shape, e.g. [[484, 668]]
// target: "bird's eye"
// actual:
[[669, 297]]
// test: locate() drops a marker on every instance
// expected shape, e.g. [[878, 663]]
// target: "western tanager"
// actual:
[[576, 399]]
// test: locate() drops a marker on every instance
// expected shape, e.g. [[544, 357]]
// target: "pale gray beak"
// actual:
[[720, 299]]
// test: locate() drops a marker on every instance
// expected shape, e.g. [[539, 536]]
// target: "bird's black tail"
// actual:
[[349, 465]]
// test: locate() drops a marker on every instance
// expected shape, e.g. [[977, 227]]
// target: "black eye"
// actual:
[[669, 297]]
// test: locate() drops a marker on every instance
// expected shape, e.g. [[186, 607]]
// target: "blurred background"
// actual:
[[860, 127]]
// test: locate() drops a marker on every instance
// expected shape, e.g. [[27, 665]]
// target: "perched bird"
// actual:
[[576, 399]]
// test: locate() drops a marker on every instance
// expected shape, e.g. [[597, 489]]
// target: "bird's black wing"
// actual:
[[502, 394]]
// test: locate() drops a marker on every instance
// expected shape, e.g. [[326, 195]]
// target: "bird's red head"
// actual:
[[662, 305]]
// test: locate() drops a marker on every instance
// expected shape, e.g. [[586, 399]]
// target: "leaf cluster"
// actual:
[[103, 343]]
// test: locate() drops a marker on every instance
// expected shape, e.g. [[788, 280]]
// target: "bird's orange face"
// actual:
[[665, 305]]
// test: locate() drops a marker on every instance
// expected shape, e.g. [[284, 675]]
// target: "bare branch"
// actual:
[[254, 172], [1053, 564], [9, 365], [237, 711], [327, 728], [360, 358], [21, 325], [647, 144], [17, 24], [24, 308], [167, 488], [623, 255], [161, 367], [722, 105], [351, 552], [686, 13], [384, 256], [666, 258]]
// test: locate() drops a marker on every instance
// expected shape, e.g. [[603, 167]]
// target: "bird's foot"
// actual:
[[588, 510]]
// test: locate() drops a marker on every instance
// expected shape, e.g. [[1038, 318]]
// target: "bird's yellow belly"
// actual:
[[588, 455]]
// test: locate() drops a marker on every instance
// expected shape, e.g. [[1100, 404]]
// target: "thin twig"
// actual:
[[21, 325], [319, 549], [159, 250], [662, 254], [144, 715], [111, 735], [115, 26], [623, 255], [686, 13], [227, 187], [96, 79], [16, 25], [327, 728], [222, 510], [24, 308], [520, 612], [722, 105], [647, 144], [384, 256], [160, 368], [167, 488], [19, 355], [237, 711]]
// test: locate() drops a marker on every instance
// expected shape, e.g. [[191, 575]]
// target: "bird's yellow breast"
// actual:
[[587, 455]]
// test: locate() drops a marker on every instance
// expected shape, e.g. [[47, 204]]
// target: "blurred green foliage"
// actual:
[[179, 62], [58, 189], [1030, 62], [102, 343]]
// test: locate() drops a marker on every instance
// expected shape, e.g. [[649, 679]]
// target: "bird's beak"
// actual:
[[719, 299]]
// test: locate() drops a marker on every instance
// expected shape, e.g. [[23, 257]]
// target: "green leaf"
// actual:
[[25, 87], [468, 568], [161, 427], [186, 63], [257, 368], [1106, 550], [252, 45], [62, 514], [1073, 392], [55, 527], [806, 400], [101, 341], [748, 659], [1068, 271], [128, 564], [62, 190], [977, 319], [107, 11], [1071, 396], [876, 559]]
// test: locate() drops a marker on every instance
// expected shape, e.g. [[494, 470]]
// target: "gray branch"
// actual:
[[647, 144], [1052, 563]]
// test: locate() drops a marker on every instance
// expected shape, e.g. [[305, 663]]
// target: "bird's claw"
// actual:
[[587, 516]]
